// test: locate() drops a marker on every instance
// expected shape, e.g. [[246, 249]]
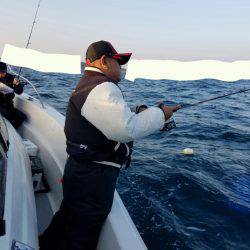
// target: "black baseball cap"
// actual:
[[97, 49], [3, 67]]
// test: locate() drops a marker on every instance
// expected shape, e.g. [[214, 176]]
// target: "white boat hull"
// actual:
[[20, 209]]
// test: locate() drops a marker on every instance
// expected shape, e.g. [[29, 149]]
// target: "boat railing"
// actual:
[[28, 82]]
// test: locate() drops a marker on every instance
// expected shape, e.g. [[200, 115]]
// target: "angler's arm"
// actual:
[[106, 109]]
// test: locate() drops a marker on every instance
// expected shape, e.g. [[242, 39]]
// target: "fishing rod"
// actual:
[[170, 124], [31, 31], [213, 98]]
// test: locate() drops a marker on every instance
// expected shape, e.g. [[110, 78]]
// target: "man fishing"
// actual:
[[99, 129], [9, 85]]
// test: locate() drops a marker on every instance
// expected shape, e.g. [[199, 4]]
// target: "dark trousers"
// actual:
[[13, 115], [88, 191]]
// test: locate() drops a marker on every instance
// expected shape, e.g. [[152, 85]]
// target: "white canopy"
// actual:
[[60, 63], [177, 70]]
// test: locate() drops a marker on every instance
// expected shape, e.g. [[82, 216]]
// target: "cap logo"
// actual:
[[88, 62]]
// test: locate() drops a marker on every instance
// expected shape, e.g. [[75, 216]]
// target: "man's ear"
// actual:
[[103, 62]]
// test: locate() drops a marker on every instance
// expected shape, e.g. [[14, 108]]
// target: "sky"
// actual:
[[158, 29]]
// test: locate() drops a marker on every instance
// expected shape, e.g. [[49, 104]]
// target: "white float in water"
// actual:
[[188, 151]]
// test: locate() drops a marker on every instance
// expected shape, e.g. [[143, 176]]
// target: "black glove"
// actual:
[[137, 109]]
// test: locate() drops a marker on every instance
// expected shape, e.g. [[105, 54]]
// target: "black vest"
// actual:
[[84, 140]]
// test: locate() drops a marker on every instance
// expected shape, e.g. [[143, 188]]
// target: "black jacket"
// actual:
[[6, 100]]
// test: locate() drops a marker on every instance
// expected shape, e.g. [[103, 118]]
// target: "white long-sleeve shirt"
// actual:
[[107, 110]]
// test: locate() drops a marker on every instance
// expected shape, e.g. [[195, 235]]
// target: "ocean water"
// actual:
[[186, 202]]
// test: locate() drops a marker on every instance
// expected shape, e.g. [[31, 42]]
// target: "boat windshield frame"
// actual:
[[4, 145]]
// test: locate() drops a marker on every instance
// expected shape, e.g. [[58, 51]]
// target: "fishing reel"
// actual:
[[23, 83], [169, 125]]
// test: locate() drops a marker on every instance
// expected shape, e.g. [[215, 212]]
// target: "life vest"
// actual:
[[84, 141]]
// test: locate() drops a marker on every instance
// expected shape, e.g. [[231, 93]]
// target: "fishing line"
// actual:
[[152, 159]]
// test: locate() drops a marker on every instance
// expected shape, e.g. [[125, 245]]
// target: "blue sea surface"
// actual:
[[187, 202]]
